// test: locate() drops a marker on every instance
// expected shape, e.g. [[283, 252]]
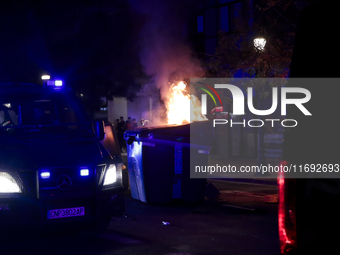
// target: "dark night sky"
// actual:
[[82, 42], [98, 47]]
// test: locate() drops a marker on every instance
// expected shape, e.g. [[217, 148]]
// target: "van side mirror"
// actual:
[[99, 129]]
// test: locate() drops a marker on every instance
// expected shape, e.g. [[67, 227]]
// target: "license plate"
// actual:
[[68, 212]]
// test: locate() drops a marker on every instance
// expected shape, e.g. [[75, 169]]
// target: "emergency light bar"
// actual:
[[45, 77], [55, 83]]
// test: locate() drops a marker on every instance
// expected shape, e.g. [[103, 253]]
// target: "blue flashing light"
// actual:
[[50, 83], [45, 175], [84, 172], [58, 83], [55, 83]]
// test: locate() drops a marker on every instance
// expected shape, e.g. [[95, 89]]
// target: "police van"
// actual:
[[54, 169]]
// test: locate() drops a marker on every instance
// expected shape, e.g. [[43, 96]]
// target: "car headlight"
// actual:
[[110, 175], [8, 184]]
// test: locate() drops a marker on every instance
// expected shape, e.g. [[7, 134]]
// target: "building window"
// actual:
[[238, 17], [211, 22], [200, 26], [210, 45], [225, 18], [238, 10]]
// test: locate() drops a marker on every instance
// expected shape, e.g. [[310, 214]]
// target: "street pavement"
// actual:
[[229, 225]]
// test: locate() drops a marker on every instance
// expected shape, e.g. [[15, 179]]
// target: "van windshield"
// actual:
[[41, 114]]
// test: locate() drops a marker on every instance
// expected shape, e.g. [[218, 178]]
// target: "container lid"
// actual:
[[199, 132]]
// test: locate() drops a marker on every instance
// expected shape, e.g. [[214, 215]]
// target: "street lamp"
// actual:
[[260, 43]]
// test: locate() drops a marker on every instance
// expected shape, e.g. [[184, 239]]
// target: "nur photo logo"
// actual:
[[280, 97]]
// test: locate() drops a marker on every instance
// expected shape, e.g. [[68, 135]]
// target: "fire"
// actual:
[[182, 108]]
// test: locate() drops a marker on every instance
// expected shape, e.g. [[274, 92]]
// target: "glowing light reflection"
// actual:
[[8, 184]]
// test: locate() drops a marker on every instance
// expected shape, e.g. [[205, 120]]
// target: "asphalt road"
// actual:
[[241, 225]]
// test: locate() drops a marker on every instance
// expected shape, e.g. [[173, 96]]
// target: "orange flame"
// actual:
[[182, 108]]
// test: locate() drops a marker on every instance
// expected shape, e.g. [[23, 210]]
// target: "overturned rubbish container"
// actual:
[[159, 161]]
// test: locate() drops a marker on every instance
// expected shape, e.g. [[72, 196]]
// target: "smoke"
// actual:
[[158, 116], [164, 52]]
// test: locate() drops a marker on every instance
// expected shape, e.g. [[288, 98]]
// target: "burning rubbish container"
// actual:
[[159, 161]]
